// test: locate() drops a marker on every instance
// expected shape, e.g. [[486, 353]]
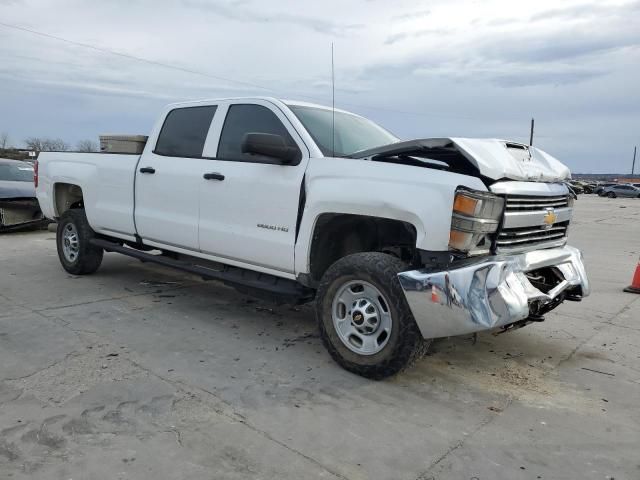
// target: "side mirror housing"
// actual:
[[270, 145]]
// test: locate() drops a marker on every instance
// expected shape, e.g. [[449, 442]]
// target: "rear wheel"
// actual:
[[73, 237], [363, 317]]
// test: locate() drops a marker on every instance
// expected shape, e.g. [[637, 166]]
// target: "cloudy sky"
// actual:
[[477, 68]]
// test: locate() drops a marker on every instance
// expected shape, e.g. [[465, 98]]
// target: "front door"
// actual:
[[249, 208], [168, 179]]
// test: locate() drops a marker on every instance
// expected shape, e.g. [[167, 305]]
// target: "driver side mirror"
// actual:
[[270, 145]]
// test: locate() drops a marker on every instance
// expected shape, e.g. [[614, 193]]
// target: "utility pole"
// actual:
[[633, 165], [531, 135]]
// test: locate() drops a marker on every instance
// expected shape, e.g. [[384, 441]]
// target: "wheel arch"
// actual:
[[336, 235], [66, 196]]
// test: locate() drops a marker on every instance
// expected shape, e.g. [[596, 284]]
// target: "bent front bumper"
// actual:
[[489, 292]]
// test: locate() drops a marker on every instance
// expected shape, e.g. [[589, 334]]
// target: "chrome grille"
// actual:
[[519, 203], [530, 231], [514, 238]]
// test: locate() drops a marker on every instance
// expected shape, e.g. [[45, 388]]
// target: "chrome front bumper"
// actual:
[[488, 293]]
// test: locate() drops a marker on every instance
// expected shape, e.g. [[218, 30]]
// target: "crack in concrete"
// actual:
[[8, 400], [597, 331], [177, 433], [236, 417], [74, 353], [425, 475]]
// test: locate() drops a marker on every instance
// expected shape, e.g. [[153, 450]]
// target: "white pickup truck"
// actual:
[[398, 242]]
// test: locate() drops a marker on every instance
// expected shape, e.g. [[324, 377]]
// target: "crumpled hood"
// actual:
[[487, 157], [499, 159], [10, 189]]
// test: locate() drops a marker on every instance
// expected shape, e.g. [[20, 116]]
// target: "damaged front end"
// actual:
[[513, 262], [19, 213], [500, 291]]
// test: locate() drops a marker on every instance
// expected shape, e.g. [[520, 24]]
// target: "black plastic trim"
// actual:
[[302, 199]]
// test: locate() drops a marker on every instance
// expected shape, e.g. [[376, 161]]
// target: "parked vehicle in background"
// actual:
[[576, 186], [602, 186], [622, 190], [19, 207], [587, 186], [399, 242]]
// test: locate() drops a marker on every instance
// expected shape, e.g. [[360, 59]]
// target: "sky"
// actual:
[[441, 68]]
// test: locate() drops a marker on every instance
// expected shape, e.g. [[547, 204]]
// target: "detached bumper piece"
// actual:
[[493, 292], [20, 213]]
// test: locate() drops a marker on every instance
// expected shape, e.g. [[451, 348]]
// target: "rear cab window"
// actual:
[[184, 132]]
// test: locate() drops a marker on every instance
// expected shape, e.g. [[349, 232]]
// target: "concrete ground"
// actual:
[[142, 372]]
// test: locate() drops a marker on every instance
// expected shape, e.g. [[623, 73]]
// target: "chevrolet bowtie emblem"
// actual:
[[550, 217]]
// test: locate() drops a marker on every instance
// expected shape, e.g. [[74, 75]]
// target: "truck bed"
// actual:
[[107, 183]]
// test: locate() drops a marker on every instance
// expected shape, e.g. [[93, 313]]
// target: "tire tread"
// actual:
[[410, 346], [89, 257]]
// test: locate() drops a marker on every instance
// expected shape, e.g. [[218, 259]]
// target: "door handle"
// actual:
[[147, 170], [213, 176]]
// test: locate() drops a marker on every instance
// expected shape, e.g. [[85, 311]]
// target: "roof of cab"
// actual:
[[263, 98]]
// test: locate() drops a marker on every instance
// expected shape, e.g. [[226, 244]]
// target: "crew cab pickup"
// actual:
[[398, 242]]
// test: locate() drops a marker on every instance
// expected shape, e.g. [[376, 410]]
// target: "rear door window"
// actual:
[[242, 119], [184, 132]]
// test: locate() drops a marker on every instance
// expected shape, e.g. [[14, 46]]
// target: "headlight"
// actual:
[[570, 200], [476, 215]]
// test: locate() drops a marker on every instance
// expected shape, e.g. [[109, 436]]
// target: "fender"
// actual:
[[419, 196]]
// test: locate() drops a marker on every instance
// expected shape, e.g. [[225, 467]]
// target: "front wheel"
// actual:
[[611, 195], [364, 320], [73, 237]]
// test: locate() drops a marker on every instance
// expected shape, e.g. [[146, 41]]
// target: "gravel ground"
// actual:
[[142, 372]]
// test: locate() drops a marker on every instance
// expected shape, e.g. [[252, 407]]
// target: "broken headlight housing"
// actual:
[[476, 217]]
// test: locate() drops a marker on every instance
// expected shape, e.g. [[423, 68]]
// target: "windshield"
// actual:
[[16, 173], [352, 133]]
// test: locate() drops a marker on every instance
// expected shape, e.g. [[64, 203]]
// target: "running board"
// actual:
[[280, 290]]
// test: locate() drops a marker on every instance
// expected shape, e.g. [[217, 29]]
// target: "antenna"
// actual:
[[531, 134], [333, 107]]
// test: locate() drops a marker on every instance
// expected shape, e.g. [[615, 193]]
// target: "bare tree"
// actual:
[[46, 144], [4, 140], [34, 143], [87, 146], [56, 145]]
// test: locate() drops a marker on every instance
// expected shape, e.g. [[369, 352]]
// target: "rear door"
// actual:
[[620, 190], [249, 205], [168, 177]]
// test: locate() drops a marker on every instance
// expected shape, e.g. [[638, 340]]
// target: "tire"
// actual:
[[391, 353], [611, 195], [79, 257]]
